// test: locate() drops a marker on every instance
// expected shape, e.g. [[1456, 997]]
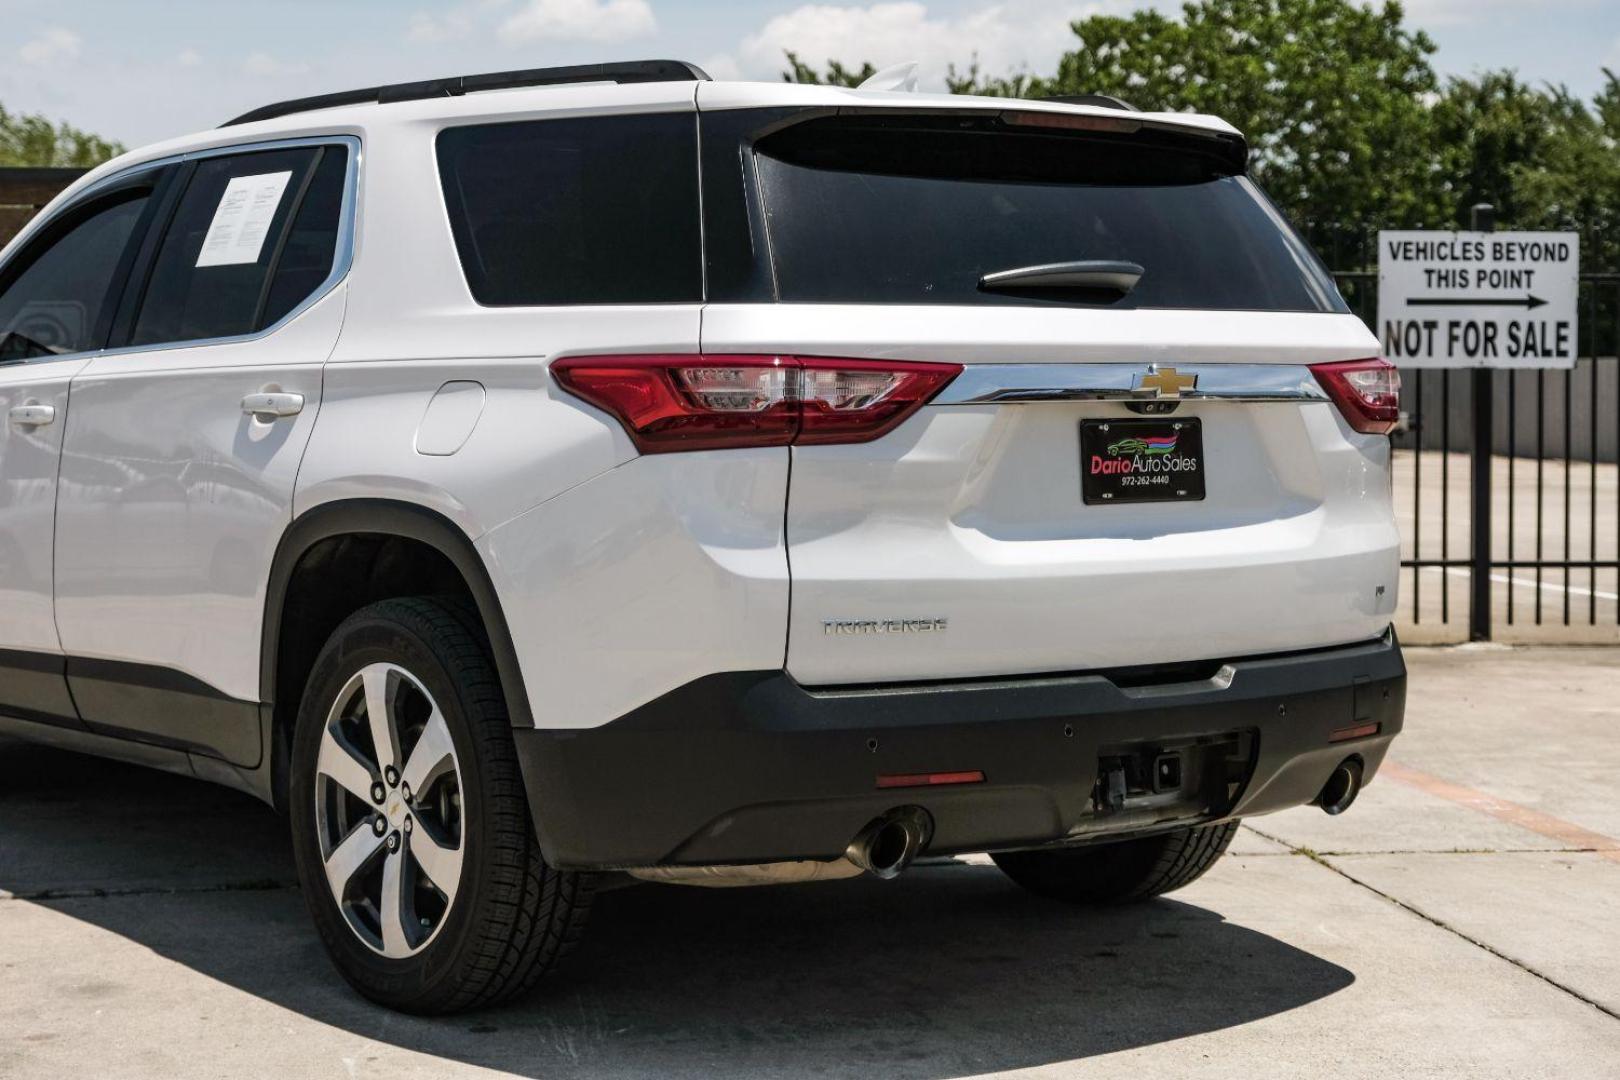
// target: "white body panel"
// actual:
[[528, 444], [973, 513], [29, 459], [173, 499], [589, 567], [620, 577], [657, 573]]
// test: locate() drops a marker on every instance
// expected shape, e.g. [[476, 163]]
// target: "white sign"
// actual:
[[1478, 299], [242, 219]]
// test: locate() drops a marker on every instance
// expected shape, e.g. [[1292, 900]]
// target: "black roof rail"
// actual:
[[1105, 101], [630, 71]]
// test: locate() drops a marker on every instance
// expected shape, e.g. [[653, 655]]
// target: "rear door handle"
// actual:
[[32, 415], [270, 407]]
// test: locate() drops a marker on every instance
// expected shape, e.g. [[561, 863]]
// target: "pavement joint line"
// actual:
[[1567, 833], [1529, 583], [1483, 946], [98, 893]]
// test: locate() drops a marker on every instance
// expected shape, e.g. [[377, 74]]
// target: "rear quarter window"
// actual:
[[589, 210], [916, 209]]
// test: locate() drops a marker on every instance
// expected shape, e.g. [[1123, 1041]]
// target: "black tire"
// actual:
[[1122, 871], [513, 917]]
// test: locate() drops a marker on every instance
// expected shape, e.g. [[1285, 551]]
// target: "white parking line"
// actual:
[[1530, 583]]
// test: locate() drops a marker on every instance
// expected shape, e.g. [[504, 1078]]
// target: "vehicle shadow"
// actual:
[[950, 970]]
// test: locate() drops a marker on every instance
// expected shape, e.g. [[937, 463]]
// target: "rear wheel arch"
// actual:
[[341, 556]]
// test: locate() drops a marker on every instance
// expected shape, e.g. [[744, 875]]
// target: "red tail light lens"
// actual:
[[1368, 392], [669, 403], [688, 402]]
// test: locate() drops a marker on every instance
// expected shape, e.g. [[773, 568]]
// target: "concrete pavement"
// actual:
[[1459, 921]]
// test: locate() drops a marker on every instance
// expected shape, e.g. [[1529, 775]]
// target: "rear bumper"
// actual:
[[748, 767]]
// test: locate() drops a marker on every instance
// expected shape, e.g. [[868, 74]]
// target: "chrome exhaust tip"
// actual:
[[888, 845], [1342, 787]]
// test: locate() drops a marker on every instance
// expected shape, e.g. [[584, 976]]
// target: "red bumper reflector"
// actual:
[[1360, 731], [929, 779]]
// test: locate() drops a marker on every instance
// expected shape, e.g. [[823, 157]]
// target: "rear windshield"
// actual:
[[909, 210]]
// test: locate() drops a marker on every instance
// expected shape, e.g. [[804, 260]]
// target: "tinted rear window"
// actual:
[[908, 210], [594, 210]]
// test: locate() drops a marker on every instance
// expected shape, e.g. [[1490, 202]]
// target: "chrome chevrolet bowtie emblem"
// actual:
[[1165, 382]]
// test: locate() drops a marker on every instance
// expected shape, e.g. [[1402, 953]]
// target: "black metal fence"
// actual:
[[1510, 503]]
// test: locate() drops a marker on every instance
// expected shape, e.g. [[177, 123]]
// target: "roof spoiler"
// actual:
[[1102, 101], [632, 71]]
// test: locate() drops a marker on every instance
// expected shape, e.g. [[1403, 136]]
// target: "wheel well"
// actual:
[[337, 577], [340, 558]]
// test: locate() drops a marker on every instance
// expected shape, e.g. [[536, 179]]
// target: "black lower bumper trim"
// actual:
[[746, 767]]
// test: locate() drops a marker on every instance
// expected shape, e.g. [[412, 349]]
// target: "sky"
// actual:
[[143, 71]]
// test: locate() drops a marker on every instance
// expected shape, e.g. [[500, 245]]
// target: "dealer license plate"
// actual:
[[1131, 460]]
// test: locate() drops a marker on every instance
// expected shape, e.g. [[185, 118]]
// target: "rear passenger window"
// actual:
[[597, 210], [253, 235]]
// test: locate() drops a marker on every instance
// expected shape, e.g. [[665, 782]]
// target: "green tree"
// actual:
[[1542, 157], [1607, 106], [31, 139], [1491, 132], [836, 74]]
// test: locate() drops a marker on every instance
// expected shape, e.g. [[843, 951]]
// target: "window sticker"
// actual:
[[242, 219]]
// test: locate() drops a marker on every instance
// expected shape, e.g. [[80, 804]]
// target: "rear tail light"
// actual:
[[685, 402], [1368, 392]]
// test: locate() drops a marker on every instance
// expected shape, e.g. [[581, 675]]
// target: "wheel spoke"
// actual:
[[392, 906], [380, 715], [432, 756], [349, 856], [343, 766], [440, 862], [377, 880]]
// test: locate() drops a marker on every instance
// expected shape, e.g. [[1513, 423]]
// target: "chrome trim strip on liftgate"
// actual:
[[1030, 383]]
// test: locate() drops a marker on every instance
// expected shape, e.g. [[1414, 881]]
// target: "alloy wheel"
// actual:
[[388, 798]]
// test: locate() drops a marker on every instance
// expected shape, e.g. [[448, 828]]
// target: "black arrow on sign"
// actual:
[[1530, 302]]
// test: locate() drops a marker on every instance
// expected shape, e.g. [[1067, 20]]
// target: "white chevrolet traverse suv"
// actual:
[[629, 476]]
